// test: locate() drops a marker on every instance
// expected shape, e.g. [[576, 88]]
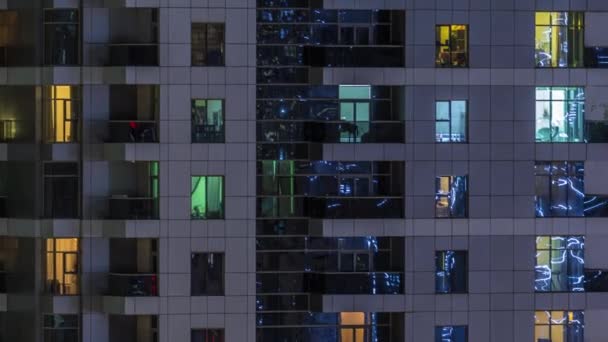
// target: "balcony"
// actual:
[[131, 38], [132, 285], [356, 283], [123, 207]]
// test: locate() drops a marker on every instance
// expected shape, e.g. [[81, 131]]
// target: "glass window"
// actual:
[[60, 328], [207, 44], [452, 45], [61, 105], [61, 37], [563, 326], [207, 274], [559, 39], [207, 197], [61, 192], [207, 335], [451, 272], [451, 196], [62, 266], [355, 102], [560, 114], [451, 334], [451, 121], [559, 188], [560, 263], [207, 121]]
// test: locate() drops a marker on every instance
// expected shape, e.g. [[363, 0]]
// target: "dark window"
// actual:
[[207, 44], [452, 46], [560, 264], [207, 335], [451, 196], [207, 274], [60, 328], [451, 271], [61, 192], [207, 121], [61, 36], [451, 334], [559, 189]]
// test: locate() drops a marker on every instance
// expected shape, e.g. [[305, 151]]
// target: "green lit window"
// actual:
[[559, 39], [560, 114], [354, 112], [207, 121], [207, 197], [452, 46], [451, 121]]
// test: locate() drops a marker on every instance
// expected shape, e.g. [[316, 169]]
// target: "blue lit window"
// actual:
[[451, 272], [560, 263], [451, 196], [560, 189], [565, 326], [451, 334], [450, 121], [560, 114]]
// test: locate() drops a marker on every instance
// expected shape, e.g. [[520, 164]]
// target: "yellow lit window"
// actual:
[[62, 266], [60, 123], [352, 327]]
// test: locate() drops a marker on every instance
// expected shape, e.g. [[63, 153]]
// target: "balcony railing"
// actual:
[[133, 208], [129, 54], [337, 207], [132, 285], [132, 131], [332, 131]]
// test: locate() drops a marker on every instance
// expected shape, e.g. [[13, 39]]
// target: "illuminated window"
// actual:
[[451, 196], [562, 326], [352, 327], [62, 328], [560, 263], [560, 114], [450, 121], [559, 189], [559, 39], [207, 335], [61, 114], [207, 44], [354, 112], [62, 266], [452, 45], [451, 334], [207, 197], [207, 121], [451, 272], [207, 274]]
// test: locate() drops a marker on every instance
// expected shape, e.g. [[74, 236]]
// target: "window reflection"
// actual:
[[560, 114], [560, 189], [451, 196], [565, 326], [559, 39], [451, 334], [451, 272], [560, 263]]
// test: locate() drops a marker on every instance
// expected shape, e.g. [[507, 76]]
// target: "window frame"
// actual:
[[566, 255], [439, 196], [203, 49], [196, 292], [450, 119], [571, 29], [440, 45], [451, 279], [222, 199], [221, 133], [552, 323]]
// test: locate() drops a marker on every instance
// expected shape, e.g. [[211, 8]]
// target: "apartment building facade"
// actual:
[[303, 170]]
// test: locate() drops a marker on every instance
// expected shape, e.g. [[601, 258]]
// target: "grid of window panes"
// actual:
[[327, 189], [208, 121], [564, 326], [560, 114], [61, 266], [451, 196], [300, 265], [451, 121], [559, 39], [62, 328], [452, 45], [207, 197], [560, 190], [451, 272], [208, 44], [560, 264], [451, 333]]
